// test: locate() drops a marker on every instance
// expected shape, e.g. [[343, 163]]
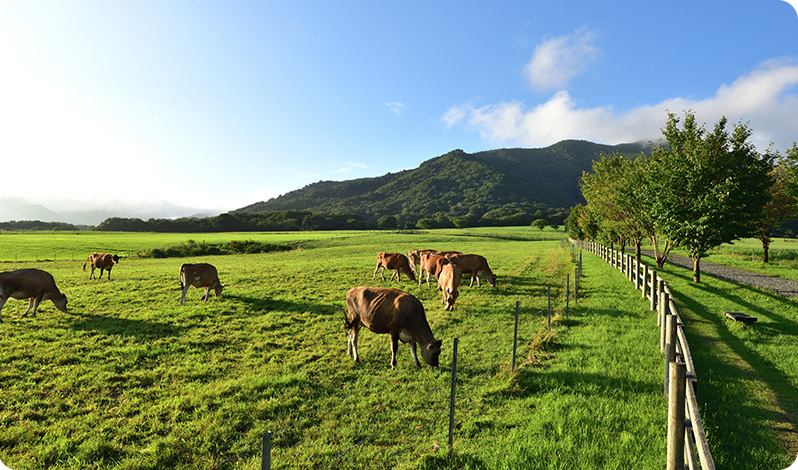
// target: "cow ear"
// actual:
[[435, 345]]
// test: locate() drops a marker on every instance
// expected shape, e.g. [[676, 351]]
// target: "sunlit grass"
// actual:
[[130, 379]]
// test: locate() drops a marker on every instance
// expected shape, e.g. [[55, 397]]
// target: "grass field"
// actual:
[[129, 379]]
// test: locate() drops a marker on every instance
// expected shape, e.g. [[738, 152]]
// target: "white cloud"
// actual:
[[348, 167], [766, 99], [559, 59], [397, 107]]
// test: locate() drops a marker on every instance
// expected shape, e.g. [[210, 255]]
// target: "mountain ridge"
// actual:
[[494, 183]]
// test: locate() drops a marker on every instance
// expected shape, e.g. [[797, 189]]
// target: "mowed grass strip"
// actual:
[[129, 379], [747, 375]]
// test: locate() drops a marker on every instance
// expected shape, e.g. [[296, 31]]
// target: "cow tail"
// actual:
[[181, 276], [347, 323]]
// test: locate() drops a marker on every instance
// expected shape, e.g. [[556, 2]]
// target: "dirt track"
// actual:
[[783, 287]]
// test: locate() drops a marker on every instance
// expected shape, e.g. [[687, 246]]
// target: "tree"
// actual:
[[539, 224], [387, 222], [572, 227], [615, 194], [708, 186], [781, 202]]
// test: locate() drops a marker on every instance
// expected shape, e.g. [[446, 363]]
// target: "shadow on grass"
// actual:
[[733, 418], [451, 460], [281, 305], [126, 327]]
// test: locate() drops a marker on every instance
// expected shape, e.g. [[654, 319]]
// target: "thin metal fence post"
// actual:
[[451, 399], [515, 335], [567, 293], [266, 456], [549, 308]]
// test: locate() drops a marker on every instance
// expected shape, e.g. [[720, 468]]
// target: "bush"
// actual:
[[192, 248]]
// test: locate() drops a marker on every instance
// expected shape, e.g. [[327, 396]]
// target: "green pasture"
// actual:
[[130, 379]]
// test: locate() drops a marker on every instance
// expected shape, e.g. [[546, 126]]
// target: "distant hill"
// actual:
[[16, 209], [482, 187]]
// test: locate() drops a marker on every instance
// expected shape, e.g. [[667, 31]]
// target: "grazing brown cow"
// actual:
[[475, 265], [395, 261], [449, 283], [447, 253], [393, 312], [432, 263], [414, 257], [33, 284], [101, 261], [200, 275]]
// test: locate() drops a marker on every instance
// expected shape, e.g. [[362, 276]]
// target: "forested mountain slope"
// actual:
[[481, 187]]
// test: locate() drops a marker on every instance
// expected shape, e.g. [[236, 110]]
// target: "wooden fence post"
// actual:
[[654, 291], [676, 416], [664, 303], [670, 347], [644, 287]]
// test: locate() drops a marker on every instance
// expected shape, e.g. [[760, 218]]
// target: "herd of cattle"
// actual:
[[394, 312], [381, 310]]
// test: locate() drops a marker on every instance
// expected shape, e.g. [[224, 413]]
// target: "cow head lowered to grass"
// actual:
[[199, 275], [394, 312]]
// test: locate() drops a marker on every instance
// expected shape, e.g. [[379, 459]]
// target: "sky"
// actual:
[[172, 108]]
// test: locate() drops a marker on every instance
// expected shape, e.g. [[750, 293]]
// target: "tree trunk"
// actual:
[[765, 249], [696, 270], [638, 251]]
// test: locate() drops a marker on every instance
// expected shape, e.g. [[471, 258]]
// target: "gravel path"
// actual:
[[782, 287]]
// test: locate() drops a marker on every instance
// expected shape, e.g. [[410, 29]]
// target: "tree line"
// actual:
[[697, 190]]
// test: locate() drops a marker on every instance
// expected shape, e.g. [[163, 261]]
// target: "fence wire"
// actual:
[[249, 450]]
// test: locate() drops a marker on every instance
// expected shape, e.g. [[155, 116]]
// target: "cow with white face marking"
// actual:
[[391, 311], [199, 275], [33, 284], [101, 261]]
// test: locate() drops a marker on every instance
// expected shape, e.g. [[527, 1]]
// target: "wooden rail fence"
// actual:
[[686, 437]]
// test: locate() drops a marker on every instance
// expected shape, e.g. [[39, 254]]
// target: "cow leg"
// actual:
[[381, 269], [352, 346], [109, 274], [472, 281], [30, 306], [91, 274], [394, 348], [34, 303], [414, 354], [207, 292], [183, 295], [2, 303], [427, 278]]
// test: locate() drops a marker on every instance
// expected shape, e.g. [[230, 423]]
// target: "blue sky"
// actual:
[[168, 108]]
